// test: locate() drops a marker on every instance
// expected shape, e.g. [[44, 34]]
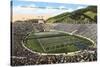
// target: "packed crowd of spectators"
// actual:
[[19, 31], [34, 59]]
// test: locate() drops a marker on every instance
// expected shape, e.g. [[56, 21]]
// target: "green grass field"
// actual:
[[55, 42]]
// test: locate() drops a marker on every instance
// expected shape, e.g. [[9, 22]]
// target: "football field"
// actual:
[[55, 42]]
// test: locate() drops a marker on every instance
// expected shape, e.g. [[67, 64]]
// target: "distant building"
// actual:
[[41, 21], [41, 25]]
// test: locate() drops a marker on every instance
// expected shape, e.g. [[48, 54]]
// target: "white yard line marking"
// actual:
[[41, 45]]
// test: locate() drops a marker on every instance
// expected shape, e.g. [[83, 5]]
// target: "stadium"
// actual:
[[53, 38], [44, 43]]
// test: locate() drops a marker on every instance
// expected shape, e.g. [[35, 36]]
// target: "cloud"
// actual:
[[21, 10], [61, 7], [32, 5], [29, 9], [80, 7], [49, 7]]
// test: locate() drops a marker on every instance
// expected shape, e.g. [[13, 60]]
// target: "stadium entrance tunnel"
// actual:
[[55, 42]]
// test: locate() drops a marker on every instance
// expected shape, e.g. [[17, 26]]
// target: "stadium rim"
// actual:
[[55, 53]]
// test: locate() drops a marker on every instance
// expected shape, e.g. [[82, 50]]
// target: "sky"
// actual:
[[27, 7]]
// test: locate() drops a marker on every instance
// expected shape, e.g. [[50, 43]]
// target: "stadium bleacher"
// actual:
[[20, 31]]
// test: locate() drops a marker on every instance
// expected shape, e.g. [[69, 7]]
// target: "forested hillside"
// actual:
[[84, 15]]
